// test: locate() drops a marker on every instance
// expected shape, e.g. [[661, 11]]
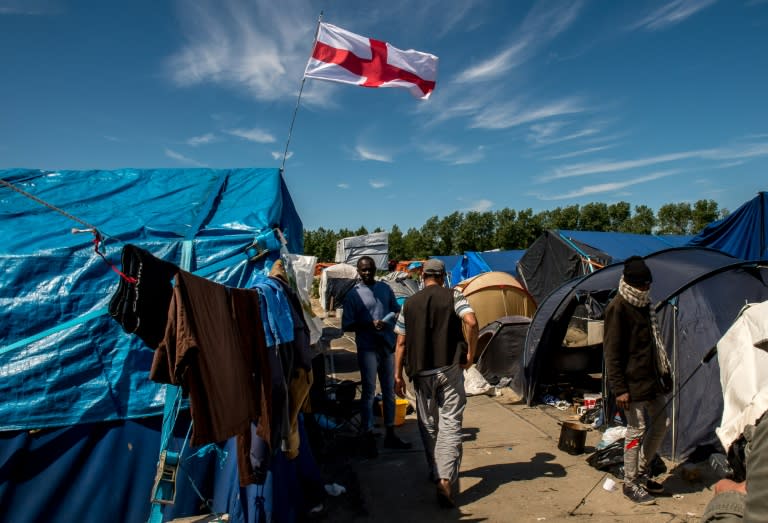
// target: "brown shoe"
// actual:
[[444, 494]]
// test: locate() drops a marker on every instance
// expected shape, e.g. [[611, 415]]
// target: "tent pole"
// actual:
[[674, 374], [298, 99]]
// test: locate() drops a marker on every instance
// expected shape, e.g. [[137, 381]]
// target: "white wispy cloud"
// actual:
[[541, 134], [479, 206], [259, 46], [378, 184], [28, 8], [201, 140], [608, 187], [279, 154], [452, 154], [581, 152], [542, 24], [111, 138], [252, 135], [342, 185], [734, 152], [473, 156], [183, 159], [672, 13], [511, 114], [364, 153]]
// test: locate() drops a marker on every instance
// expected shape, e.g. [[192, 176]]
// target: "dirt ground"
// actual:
[[512, 470]]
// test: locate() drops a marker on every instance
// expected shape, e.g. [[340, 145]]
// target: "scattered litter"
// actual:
[[678, 496], [334, 489], [609, 484], [541, 519], [611, 435]]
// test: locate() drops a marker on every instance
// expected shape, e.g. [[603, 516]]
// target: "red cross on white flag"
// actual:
[[341, 56]]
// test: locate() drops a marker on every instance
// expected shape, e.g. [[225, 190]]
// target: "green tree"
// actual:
[[529, 228], [477, 232], [413, 245], [447, 229], [362, 231], [507, 233], [619, 216], [396, 244], [703, 213], [594, 217], [566, 218], [674, 218], [642, 222], [430, 237]]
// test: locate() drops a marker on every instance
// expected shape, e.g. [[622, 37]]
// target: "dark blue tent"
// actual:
[[558, 256], [80, 422], [743, 233], [697, 293]]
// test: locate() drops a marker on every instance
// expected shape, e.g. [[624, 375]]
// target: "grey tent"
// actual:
[[697, 294]]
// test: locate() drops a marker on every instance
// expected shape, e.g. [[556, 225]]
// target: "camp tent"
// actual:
[[473, 263], [500, 347], [81, 422], [493, 295], [697, 294], [375, 245], [560, 255], [743, 233], [401, 284], [335, 282]]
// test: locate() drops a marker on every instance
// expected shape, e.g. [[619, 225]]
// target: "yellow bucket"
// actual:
[[401, 406]]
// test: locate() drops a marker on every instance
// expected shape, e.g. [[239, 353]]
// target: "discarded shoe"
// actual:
[[637, 494], [394, 442], [444, 494]]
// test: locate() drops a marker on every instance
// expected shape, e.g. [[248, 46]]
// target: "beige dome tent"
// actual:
[[494, 295]]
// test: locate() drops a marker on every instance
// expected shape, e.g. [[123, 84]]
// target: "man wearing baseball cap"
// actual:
[[437, 338]]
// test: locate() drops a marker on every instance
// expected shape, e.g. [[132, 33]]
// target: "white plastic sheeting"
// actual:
[[375, 245]]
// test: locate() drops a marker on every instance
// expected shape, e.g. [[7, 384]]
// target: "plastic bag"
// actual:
[[474, 382], [301, 272], [611, 435]]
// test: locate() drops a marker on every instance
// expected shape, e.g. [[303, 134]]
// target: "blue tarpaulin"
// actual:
[[63, 360], [68, 368], [743, 233]]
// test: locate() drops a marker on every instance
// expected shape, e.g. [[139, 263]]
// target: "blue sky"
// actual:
[[538, 104]]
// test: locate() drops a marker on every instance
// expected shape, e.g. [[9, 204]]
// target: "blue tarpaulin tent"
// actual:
[[473, 263], [743, 233], [70, 374]]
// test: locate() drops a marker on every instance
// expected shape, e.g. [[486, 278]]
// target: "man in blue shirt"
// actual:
[[370, 311]]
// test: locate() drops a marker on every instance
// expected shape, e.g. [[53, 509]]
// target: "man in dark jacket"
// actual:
[[440, 325], [629, 343]]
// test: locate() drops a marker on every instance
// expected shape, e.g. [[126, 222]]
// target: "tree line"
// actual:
[[508, 229]]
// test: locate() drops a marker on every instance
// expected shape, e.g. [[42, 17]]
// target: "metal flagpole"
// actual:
[[298, 99]]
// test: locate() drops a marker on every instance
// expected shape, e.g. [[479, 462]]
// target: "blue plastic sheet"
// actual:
[[743, 233], [63, 360]]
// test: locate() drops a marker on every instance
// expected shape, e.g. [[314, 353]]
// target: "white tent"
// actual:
[[335, 281], [375, 245]]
